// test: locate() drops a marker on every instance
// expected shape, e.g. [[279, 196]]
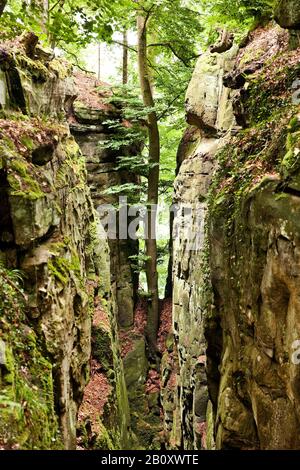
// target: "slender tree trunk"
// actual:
[[125, 58], [99, 61], [153, 181], [2, 6], [45, 18]]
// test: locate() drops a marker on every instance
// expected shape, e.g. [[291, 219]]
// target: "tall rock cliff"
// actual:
[[253, 228], [90, 127], [235, 304], [210, 115], [50, 233]]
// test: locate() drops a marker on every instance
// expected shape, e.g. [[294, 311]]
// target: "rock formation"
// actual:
[[90, 129], [287, 14], [49, 231], [73, 356], [209, 108], [235, 293]]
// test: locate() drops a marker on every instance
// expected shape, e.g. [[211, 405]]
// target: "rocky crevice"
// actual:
[[209, 111], [88, 120], [72, 335]]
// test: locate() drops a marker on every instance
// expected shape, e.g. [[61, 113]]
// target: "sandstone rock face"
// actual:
[[135, 364], [90, 132], [24, 77], [253, 228], [50, 231], [287, 14], [209, 108], [3, 90], [251, 320], [256, 312], [235, 303], [207, 100]]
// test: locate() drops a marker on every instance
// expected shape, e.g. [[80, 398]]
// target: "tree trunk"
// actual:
[[99, 61], [45, 16], [153, 181], [125, 58], [2, 6]]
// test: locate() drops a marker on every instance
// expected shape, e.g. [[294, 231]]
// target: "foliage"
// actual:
[[11, 294], [138, 262], [122, 138], [171, 131], [177, 30], [65, 22], [239, 16]]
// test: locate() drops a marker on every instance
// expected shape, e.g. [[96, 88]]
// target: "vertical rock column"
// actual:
[[91, 131], [48, 230], [209, 111]]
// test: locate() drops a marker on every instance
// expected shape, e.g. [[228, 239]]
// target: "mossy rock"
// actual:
[[101, 348], [287, 14], [135, 366], [86, 115], [27, 418]]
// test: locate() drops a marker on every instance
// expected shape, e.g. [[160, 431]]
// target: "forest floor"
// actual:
[[140, 320], [127, 337]]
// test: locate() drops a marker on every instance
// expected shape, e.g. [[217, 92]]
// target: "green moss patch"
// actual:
[[27, 416], [62, 266]]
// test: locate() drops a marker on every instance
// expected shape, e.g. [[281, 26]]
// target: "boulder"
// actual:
[[287, 14], [135, 366], [207, 100]]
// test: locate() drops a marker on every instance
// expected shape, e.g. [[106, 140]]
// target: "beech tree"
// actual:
[[153, 180], [159, 21]]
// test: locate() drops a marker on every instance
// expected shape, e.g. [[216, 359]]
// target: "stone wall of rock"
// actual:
[[253, 228], [91, 132], [235, 310], [287, 16], [210, 114], [50, 232]]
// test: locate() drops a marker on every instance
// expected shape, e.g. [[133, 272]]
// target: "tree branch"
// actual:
[[148, 14], [76, 61], [169, 45], [131, 48], [165, 112], [54, 6]]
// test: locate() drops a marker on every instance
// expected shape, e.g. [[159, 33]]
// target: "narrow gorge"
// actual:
[[76, 367]]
